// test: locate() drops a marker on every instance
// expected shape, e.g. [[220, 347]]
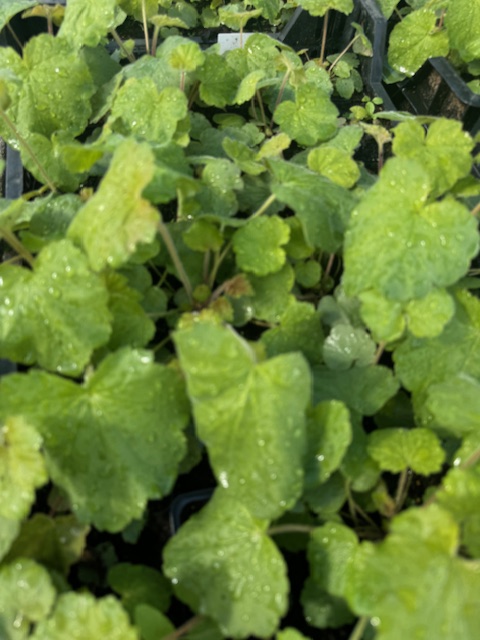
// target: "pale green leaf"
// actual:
[[415, 39], [420, 362], [151, 624], [223, 565], [112, 442], [81, 617], [57, 89], [22, 467], [117, 218], [258, 246], [428, 316], [55, 315], [8, 532], [462, 20], [444, 151], [395, 450], [312, 118], [203, 236], [388, 6], [87, 22], [250, 416], [141, 110], [139, 584], [400, 581], [9, 9], [243, 156], [329, 434], [186, 56], [455, 404], [460, 494], [26, 596], [393, 225], [384, 317], [320, 7], [300, 329], [335, 164], [249, 85]]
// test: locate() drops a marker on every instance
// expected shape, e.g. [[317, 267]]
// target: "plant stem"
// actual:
[[262, 110], [206, 265], [219, 258], [28, 149], [401, 489], [342, 53], [471, 460], [263, 207], [15, 37], [182, 81], [280, 92], [324, 38], [290, 528], [379, 352], [119, 41], [156, 31], [329, 266], [11, 239], [476, 210], [49, 23], [185, 628], [145, 26], [359, 628], [172, 250]]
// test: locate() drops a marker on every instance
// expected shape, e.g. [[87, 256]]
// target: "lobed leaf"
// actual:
[[223, 565]]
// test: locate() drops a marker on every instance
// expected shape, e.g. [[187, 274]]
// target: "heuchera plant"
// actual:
[[204, 271]]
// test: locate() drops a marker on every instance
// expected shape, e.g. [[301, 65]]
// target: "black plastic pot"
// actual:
[[185, 505]]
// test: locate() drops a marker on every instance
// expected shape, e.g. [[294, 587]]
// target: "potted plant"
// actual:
[[204, 286]]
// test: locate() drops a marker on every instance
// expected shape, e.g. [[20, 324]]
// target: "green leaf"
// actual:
[[203, 236], [141, 110], [312, 118], [394, 226], [243, 156], [398, 449], [444, 151], [415, 39], [138, 584], [55, 542], [271, 295], [80, 616], [131, 326], [358, 467], [223, 565], [11, 8], [249, 415], [329, 499], [320, 7], [363, 389], [117, 219], [387, 7], [186, 56], [331, 550], [398, 582], [57, 89], [329, 434], [218, 81], [346, 346], [8, 532], [322, 609], [300, 329], [22, 467], [420, 362], [460, 495], [125, 419], [151, 623], [55, 315], [335, 164], [455, 404], [461, 21], [322, 206], [308, 273], [87, 22], [258, 245], [26, 596], [290, 634]]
